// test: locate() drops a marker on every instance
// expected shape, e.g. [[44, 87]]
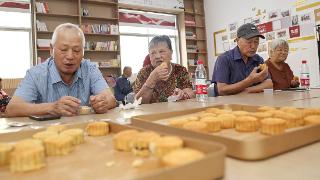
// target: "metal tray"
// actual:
[[88, 161], [244, 146]]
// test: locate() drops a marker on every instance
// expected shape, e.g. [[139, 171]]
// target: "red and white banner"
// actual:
[[15, 6], [147, 19]]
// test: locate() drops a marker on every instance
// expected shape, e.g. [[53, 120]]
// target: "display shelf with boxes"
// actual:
[[97, 18], [196, 43]]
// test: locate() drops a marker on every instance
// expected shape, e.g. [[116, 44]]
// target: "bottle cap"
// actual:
[[200, 61], [304, 61]]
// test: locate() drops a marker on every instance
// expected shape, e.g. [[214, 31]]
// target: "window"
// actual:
[[135, 37], [15, 35]]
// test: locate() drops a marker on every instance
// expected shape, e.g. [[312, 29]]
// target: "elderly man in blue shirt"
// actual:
[[237, 70], [63, 82]]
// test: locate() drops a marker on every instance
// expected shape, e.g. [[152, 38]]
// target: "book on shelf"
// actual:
[[190, 21], [41, 26], [42, 7], [100, 28], [43, 43], [85, 12], [192, 48], [190, 35], [102, 46]]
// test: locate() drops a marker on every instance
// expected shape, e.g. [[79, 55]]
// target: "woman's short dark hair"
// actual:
[[160, 39]]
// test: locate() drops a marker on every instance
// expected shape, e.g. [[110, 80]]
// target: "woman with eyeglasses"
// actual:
[[281, 74]]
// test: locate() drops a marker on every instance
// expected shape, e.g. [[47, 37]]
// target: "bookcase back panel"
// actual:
[[69, 7], [44, 36], [100, 56], [201, 33], [100, 11], [200, 20], [101, 38], [198, 6], [53, 22], [188, 5]]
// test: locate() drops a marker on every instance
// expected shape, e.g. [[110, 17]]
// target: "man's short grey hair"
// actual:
[[67, 26], [125, 68], [160, 39], [278, 43]]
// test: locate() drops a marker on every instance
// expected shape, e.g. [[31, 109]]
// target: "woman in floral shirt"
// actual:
[[4, 99], [161, 79]]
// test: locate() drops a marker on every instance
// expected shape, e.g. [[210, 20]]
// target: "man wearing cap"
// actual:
[[236, 70]]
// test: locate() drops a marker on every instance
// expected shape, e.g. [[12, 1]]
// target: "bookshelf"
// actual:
[[195, 33], [97, 18]]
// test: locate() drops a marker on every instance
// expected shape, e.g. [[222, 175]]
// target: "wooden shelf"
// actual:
[[189, 12], [197, 52], [57, 15], [44, 32], [196, 39], [99, 18], [99, 2], [44, 50], [97, 34], [100, 51]]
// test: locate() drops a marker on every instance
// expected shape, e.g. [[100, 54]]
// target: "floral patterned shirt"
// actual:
[[179, 78]]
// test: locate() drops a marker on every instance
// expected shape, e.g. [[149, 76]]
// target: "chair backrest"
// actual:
[[10, 85]]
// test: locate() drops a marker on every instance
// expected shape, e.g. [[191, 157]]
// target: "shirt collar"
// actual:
[[237, 55], [55, 75]]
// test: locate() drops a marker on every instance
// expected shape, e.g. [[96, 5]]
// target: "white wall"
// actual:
[[219, 14]]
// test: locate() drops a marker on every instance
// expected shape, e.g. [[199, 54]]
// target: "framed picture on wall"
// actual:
[[233, 26], [295, 20], [285, 13], [218, 43], [274, 14], [256, 20], [270, 36], [282, 34], [305, 18]]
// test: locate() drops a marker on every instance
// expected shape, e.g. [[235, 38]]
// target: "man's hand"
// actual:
[[99, 103], [258, 77], [66, 106]]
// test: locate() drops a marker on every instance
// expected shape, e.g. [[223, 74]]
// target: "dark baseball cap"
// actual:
[[248, 31]]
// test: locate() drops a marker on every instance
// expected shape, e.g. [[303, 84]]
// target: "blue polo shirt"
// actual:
[[43, 83], [230, 67]]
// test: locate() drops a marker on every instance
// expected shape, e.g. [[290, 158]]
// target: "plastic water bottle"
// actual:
[[200, 81], [304, 75]]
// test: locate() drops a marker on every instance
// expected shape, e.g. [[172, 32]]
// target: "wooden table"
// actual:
[[302, 163]]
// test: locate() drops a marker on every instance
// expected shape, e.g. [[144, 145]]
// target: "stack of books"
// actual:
[[190, 35], [190, 21], [42, 7], [43, 43], [192, 48], [102, 46], [41, 26], [100, 28]]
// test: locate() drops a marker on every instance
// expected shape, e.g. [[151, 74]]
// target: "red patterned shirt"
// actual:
[[179, 78]]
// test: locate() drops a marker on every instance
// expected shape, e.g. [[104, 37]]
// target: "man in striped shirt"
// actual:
[[63, 82]]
